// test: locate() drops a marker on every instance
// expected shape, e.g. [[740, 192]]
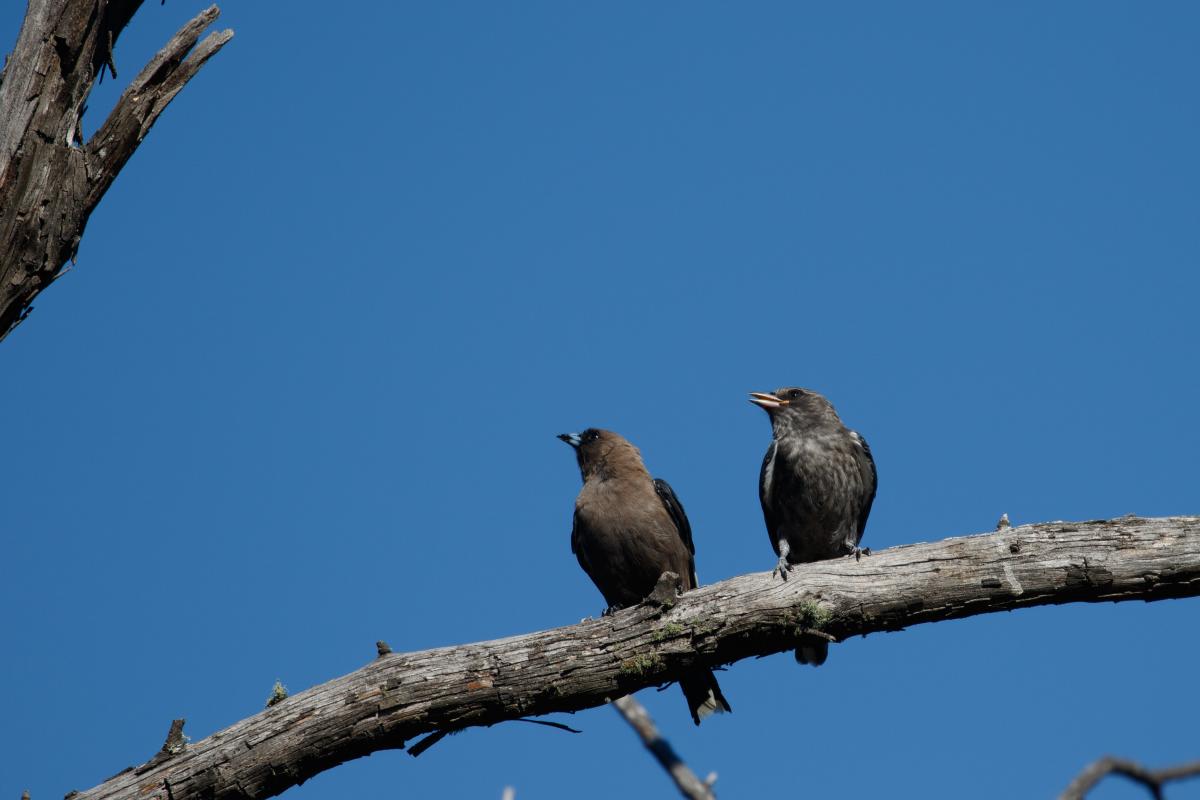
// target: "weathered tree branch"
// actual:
[[686, 781], [1152, 779], [400, 696], [50, 182]]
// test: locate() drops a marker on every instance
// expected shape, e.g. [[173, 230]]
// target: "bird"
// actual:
[[628, 529], [816, 485]]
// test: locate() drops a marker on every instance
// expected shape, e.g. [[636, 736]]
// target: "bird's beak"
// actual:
[[571, 439], [767, 401]]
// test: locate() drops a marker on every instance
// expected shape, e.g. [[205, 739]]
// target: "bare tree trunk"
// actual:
[[50, 181], [401, 696]]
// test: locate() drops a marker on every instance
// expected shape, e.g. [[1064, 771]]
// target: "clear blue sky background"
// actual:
[[301, 391]]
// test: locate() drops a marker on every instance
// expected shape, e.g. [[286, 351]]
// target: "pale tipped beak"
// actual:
[[767, 401], [571, 439]]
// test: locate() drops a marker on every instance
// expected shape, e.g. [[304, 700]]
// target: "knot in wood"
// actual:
[[666, 591]]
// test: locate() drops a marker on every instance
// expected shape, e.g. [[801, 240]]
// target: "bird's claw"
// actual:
[[859, 552], [608, 612], [782, 568]]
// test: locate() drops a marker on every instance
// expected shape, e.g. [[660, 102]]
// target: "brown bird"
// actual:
[[628, 530]]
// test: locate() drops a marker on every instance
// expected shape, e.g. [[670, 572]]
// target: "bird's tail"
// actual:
[[812, 650], [703, 694]]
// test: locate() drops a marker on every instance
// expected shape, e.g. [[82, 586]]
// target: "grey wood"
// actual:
[[1152, 779]]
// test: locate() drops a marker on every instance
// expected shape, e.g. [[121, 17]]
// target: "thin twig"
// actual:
[[688, 783], [548, 724], [1152, 779], [428, 742], [435, 737]]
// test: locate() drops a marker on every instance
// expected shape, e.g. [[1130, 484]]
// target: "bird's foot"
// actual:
[[859, 552], [782, 568], [608, 612]]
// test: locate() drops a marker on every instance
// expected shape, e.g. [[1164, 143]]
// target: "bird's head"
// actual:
[[603, 453], [796, 408]]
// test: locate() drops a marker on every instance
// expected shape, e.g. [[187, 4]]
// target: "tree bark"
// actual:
[[400, 696], [50, 181]]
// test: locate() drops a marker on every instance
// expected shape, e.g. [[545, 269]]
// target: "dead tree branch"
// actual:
[[50, 181], [401, 696], [1152, 779], [686, 781]]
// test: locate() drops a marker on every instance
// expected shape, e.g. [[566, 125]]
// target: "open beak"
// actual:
[[571, 439], [767, 401]]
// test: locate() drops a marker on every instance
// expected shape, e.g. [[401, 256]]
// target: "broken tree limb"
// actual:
[[1152, 779], [50, 181], [399, 697], [689, 785]]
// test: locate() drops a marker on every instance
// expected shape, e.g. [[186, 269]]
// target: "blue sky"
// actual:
[[301, 391]]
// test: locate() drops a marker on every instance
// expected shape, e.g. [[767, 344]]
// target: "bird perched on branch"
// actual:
[[628, 530], [816, 485]]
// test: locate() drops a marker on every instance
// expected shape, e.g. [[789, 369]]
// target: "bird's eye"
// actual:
[[795, 394], [590, 436]]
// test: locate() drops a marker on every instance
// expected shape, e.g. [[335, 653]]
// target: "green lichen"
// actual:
[[642, 665], [669, 630], [812, 616], [279, 693]]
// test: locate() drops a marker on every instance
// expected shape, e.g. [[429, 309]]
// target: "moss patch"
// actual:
[[668, 631], [279, 693], [812, 616], [642, 665]]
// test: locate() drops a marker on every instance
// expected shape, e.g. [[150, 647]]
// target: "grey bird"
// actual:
[[816, 486], [628, 530]]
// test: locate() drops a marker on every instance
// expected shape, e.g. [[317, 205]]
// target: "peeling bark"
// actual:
[[401, 696], [50, 181]]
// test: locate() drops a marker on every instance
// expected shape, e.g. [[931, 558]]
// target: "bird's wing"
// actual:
[[575, 548], [766, 481], [866, 465], [675, 510]]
